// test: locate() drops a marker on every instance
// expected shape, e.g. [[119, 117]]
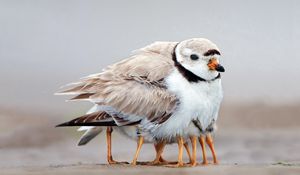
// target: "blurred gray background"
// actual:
[[46, 44]]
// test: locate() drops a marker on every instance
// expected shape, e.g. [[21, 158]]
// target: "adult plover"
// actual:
[[172, 90]]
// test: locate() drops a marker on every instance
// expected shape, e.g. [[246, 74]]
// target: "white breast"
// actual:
[[197, 101]]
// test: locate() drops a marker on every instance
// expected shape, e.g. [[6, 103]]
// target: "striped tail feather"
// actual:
[[100, 118]]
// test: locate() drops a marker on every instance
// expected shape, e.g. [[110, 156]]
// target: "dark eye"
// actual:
[[194, 57]]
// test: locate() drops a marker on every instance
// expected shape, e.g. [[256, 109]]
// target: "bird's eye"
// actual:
[[194, 57]]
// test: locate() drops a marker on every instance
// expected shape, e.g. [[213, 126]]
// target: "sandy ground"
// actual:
[[118, 169], [251, 139]]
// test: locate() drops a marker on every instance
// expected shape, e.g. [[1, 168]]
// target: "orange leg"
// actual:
[[180, 153], [110, 160], [186, 146], [139, 146], [159, 148], [202, 143], [193, 161], [162, 160], [210, 143]]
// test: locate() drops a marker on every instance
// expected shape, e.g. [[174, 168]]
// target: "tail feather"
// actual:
[[92, 119], [99, 118], [89, 135], [84, 96]]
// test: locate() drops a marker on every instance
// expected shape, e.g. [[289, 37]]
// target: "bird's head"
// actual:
[[200, 56]]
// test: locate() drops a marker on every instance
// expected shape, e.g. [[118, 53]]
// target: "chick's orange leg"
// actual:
[[210, 143], [159, 148], [202, 143], [180, 153], [193, 159], [186, 146], [139, 146]]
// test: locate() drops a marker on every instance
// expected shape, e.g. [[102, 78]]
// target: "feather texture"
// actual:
[[134, 86]]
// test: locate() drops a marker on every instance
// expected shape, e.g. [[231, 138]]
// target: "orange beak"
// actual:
[[214, 65]]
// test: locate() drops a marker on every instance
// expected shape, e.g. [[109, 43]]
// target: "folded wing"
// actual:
[[134, 88]]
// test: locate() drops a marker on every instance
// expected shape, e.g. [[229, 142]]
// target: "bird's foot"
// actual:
[[113, 162], [159, 162], [192, 164], [216, 162], [204, 163], [176, 165]]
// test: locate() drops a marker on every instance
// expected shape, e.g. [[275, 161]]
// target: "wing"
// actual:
[[134, 87]]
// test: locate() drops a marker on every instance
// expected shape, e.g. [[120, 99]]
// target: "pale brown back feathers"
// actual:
[[134, 86]]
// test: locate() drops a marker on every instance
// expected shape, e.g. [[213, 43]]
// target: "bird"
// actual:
[[171, 90], [196, 82]]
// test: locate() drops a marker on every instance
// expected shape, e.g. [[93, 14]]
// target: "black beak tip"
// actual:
[[220, 68]]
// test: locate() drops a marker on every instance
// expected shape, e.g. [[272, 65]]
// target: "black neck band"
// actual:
[[190, 76]]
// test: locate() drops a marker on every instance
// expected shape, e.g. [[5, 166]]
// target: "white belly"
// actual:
[[132, 133], [197, 101]]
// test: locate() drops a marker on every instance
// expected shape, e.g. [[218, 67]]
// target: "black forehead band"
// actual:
[[212, 52]]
